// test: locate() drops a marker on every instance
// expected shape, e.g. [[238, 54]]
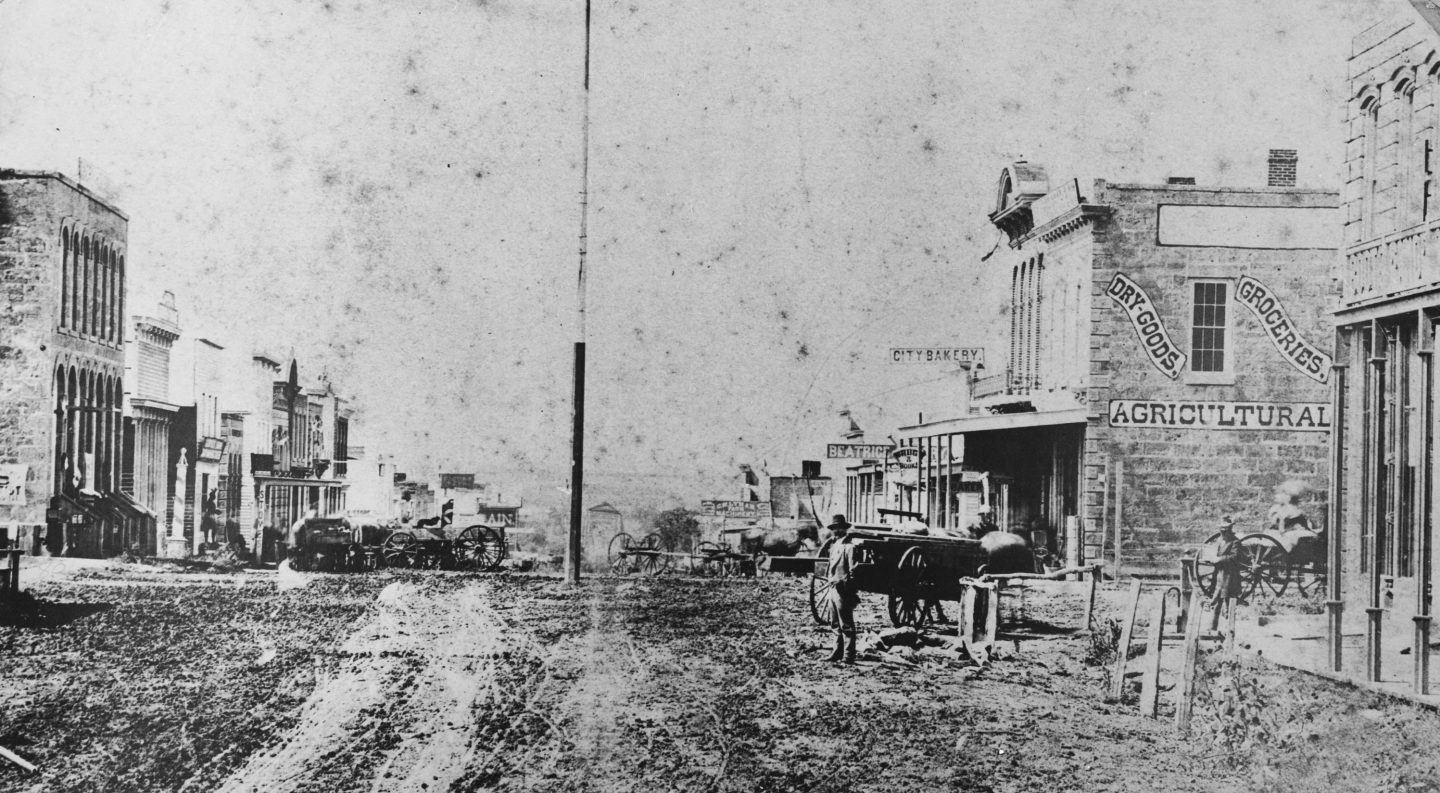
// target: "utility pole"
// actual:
[[577, 430]]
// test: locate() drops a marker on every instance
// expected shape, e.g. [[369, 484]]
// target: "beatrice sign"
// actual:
[[1146, 320], [1266, 307], [857, 451], [1289, 416]]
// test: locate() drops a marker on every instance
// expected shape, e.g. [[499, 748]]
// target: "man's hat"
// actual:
[[1226, 524], [839, 522]]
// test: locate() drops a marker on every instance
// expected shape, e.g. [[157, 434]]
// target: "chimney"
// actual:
[[1282, 167], [1180, 180]]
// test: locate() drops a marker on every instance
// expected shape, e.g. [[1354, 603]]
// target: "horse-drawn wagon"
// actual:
[[334, 544], [915, 572], [1268, 562]]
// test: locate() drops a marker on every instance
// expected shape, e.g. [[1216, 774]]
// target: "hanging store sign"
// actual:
[[735, 509], [457, 481], [1290, 417], [857, 451], [1265, 305], [1145, 318], [960, 356], [906, 457], [12, 484]]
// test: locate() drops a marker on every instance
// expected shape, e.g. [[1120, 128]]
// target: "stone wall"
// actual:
[[1179, 481]]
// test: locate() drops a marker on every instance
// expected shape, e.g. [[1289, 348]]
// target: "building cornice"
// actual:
[[11, 174]]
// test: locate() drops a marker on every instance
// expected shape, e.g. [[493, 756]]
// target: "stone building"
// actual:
[[1384, 493], [62, 371], [1167, 345]]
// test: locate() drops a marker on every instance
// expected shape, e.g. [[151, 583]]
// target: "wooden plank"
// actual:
[[1150, 678], [967, 614], [1122, 650], [1090, 603], [992, 616], [1187, 665], [17, 759]]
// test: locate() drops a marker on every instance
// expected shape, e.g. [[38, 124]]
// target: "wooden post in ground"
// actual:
[[992, 615], [1119, 512], [967, 614], [1090, 603], [1188, 574], [1230, 606], [1150, 679], [1187, 665], [1122, 651]]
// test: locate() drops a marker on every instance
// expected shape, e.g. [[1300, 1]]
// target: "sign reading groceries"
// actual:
[[1146, 320], [1265, 305]]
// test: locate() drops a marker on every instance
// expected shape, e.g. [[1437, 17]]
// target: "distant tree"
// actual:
[[677, 527]]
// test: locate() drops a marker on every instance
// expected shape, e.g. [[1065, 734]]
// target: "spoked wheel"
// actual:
[[620, 554], [401, 549], [820, 585], [1310, 581], [467, 547], [489, 551], [910, 603], [706, 559], [1264, 566]]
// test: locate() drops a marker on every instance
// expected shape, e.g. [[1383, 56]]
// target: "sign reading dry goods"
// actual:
[[1146, 320], [1293, 417], [735, 509], [964, 356], [1266, 307], [857, 451]]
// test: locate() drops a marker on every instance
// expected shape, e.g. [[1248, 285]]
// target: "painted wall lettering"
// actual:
[[1148, 326], [1171, 414], [1265, 305]]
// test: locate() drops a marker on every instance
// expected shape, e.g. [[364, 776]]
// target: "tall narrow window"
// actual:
[[1427, 187], [1404, 202], [1208, 327], [1371, 114], [65, 253]]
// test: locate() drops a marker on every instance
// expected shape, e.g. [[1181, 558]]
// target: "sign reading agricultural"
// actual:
[[1266, 307], [1146, 320], [857, 451], [12, 485], [961, 356], [457, 481], [735, 509], [1291, 417]]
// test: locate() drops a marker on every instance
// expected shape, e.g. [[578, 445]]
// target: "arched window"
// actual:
[[97, 297], [64, 276], [1406, 210], [113, 300], [76, 256], [1036, 313], [87, 276], [120, 299], [61, 394], [1370, 125], [1014, 326]]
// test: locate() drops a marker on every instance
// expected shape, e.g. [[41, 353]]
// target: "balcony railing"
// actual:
[[1393, 265]]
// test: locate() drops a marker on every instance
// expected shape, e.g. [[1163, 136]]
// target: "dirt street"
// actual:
[[142, 679]]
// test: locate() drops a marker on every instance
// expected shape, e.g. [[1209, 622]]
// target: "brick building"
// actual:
[[63, 266], [1167, 343], [1384, 497]]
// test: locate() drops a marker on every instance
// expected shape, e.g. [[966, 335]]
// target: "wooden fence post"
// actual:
[[1150, 680], [1187, 666], [1122, 651]]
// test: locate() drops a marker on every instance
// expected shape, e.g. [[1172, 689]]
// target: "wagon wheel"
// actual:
[[490, 551], [820, 585], [710, 561], [621, 546], [909, 602], [1205, 574], [466, 547], [1310, 581], [401, 549], [651, 541], [1263, 565]]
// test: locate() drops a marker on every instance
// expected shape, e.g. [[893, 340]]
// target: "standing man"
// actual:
[[844, 593], [1227, 569]]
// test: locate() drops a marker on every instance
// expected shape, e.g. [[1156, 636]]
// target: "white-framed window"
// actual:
[[1212, 342]]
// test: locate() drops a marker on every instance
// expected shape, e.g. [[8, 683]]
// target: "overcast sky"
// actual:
[[781, 190]]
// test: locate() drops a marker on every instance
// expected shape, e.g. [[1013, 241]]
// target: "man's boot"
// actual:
[[839, 648], [849, 637]]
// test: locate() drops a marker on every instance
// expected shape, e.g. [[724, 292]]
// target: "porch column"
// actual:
[[1335, 603], [1375, 396], [1420, 649]]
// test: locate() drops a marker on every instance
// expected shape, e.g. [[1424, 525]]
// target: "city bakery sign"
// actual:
[[1172, 414]]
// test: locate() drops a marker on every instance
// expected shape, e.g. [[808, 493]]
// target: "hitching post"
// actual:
[[1421, 556], [1334, 602]]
